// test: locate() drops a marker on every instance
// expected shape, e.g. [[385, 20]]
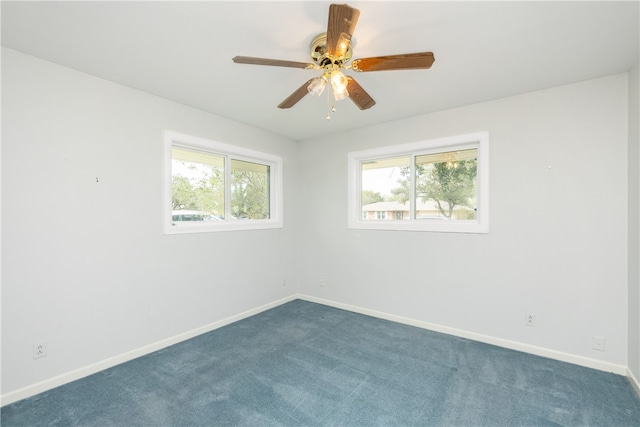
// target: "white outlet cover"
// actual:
[[598, 343], [530, 319], [39, 350]]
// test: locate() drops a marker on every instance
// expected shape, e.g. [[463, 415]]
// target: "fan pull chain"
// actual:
[[328, 103], [330, 108]]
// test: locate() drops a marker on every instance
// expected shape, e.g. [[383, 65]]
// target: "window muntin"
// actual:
[[437, 185], [210, 186]]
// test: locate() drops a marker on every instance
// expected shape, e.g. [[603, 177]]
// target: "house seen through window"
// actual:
[[430, 186]]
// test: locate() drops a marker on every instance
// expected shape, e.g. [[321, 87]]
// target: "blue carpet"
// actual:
[[305, 364]]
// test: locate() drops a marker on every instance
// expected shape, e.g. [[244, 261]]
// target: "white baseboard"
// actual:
[[512, 345], [68, 377], [634, 381]]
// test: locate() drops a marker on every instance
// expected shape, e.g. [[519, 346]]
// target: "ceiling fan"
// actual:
[[331, 52]]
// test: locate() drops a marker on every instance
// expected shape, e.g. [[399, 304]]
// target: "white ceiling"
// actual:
[[182, 51]]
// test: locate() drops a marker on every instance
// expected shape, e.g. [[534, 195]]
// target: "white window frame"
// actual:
[[228, 151], [479, 140]]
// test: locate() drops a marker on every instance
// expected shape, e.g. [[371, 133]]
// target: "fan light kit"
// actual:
[[331, 53]]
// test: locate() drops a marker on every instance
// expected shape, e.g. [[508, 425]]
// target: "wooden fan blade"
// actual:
[[295, 96], [358, 95], [342, 22], [407, 61], [273, 62]]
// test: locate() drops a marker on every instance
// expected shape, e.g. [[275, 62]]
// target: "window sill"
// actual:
[[430, 226]]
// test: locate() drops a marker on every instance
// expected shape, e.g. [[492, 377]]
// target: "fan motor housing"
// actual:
[[319, 52]]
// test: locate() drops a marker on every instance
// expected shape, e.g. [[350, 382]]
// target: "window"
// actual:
[[436, 185], [211, 186]]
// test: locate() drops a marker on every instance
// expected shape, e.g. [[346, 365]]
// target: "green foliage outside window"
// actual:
[[450, 182], [249, 190], [198, 184]]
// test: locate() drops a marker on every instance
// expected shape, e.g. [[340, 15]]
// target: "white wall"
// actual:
[[557, 245], [85, 264], [634, 221], [86, 267]]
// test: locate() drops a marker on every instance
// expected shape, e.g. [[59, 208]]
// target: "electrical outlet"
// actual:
[[530, 319], [40, 350], [598, 343], [284, 282], [321, 282]]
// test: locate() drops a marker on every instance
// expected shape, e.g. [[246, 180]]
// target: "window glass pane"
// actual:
[[209, 186], [385, 188], [249, 190], [438, 185], [197, 185], [446, 185]]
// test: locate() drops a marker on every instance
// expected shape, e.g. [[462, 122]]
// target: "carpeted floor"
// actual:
[[305, 364]]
